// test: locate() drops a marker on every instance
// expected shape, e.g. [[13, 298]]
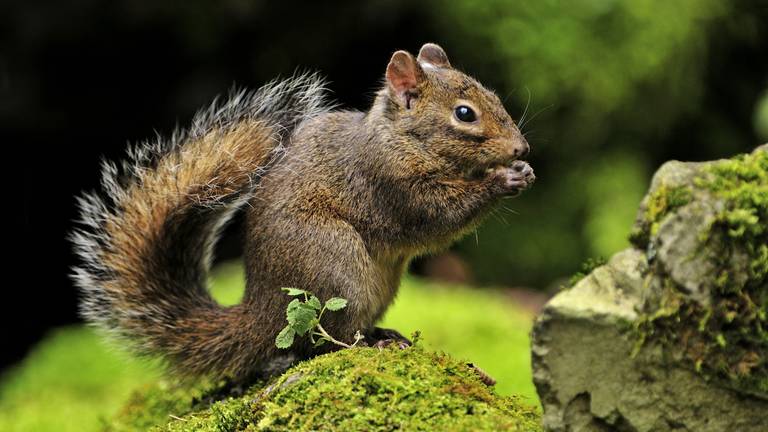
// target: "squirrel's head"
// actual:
[[452, 115]]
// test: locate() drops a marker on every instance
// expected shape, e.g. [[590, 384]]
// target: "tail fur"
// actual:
[[146, 238]]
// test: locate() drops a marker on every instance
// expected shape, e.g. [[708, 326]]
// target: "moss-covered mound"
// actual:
[[706, 239], [357, 389]]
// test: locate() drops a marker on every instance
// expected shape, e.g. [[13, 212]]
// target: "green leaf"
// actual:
[[284, 339], [336, 303], [292, 306], [320, 342], [294, 291], [315, 303], [301, 316]]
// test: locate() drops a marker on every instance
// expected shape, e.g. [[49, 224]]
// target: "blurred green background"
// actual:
[[616, 88], [605, 91]]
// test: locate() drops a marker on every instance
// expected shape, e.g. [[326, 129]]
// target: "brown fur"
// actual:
[[353, 199]]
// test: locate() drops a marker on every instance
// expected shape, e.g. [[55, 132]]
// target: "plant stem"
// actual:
[[321, 332]]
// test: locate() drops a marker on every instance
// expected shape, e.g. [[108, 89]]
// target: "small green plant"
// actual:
[[304, 318]]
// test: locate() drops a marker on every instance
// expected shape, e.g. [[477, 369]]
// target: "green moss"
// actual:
[[742, 184], [200, 406], [661, 202], [357, 389], [727, 339], [161, 401], [739, 317], [586, 268]]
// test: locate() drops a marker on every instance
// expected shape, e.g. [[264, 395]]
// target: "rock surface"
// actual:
[[670, 334]]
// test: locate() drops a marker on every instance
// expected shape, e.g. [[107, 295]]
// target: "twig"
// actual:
[[321, 332]]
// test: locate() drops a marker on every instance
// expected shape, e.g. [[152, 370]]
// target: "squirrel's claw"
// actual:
[[384, 337], [515, 178], [383, 343]]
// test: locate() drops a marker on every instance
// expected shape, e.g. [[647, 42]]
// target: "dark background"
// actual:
[[614, 95]]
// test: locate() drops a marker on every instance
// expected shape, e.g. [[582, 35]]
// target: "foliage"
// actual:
[[356, 389], [599, 53], [304, 318]]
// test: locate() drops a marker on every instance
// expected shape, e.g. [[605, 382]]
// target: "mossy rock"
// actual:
[[707, 285], [354, 389], [671, 334]]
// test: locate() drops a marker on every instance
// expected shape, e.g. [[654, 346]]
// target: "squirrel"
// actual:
[[336, 202]]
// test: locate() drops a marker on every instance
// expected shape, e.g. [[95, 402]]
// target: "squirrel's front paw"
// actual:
[[515, 178]]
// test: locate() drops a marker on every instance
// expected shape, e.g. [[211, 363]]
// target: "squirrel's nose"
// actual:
[[518, 147], [522, 149]]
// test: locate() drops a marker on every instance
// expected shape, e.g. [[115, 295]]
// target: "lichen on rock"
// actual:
[[680, 340], [355, 389]]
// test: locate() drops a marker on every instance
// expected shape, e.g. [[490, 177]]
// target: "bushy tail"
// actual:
[[146, 238]]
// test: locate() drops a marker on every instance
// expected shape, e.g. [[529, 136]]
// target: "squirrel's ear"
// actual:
[[403, 77], [434, 55]]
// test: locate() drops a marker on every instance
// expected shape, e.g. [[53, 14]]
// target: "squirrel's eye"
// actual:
[[465, 114]]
